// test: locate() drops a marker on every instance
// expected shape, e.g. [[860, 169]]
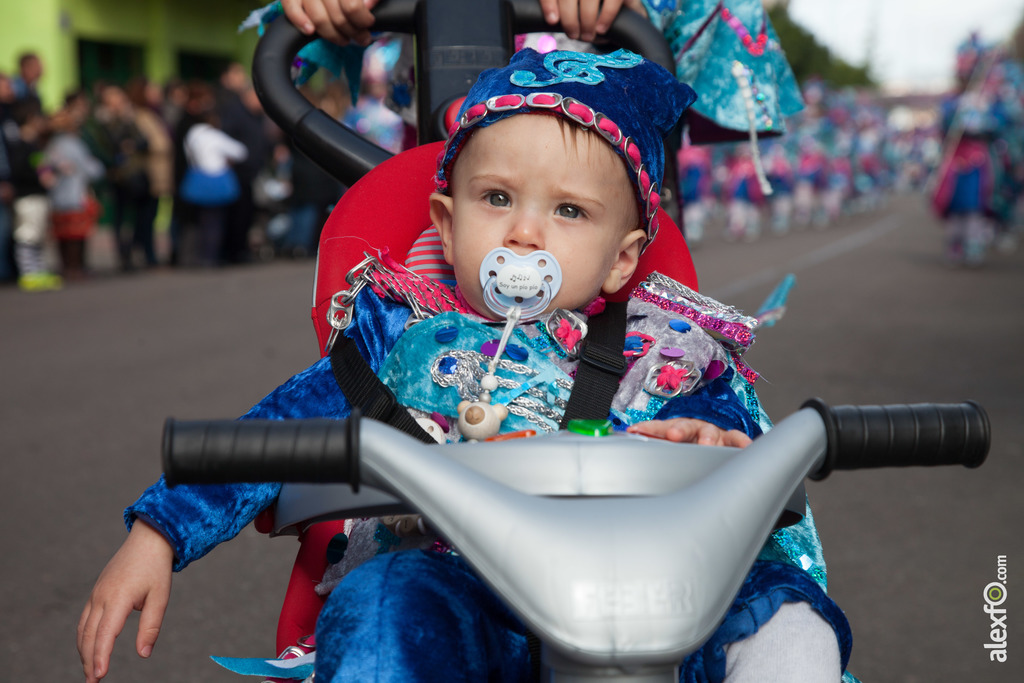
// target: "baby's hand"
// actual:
[[339, 21], [690, 430], [138, 577]]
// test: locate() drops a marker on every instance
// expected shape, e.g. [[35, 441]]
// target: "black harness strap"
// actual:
[[364, 390], [601, 367]]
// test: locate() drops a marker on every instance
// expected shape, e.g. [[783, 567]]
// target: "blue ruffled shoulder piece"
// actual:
[[196, 518]]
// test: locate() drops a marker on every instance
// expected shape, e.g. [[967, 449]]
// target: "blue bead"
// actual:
[[680, 325], [446, 334], [447, 364], [517, 353]]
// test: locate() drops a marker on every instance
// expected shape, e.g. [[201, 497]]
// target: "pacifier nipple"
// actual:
[[530, 281]]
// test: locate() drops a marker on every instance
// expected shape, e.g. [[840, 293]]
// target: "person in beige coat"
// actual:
[[146, 98]]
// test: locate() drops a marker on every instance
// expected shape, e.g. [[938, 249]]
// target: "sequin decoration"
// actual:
[[516, 353], [441, 546], [446, 334], [541, 343], [796, 552], [654, 404], [336, 548], [489, 348], [755, 46], [386, 539]]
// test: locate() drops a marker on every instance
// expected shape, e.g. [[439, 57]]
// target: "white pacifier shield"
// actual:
[[530, 281], [521, 281]]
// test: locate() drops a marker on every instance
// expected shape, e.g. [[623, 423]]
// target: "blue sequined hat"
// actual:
[[629, 101]]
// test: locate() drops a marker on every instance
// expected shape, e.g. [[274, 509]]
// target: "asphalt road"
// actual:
[[90, 373]]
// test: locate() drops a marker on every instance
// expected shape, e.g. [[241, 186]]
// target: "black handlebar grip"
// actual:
[[234, 451], [923, 434]]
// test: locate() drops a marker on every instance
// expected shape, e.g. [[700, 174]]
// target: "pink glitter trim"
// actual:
[[748, 373], [733, 331]]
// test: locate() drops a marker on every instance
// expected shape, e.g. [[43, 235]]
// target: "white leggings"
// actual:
[[795, 646]]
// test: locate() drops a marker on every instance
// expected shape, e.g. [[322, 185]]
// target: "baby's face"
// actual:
[[526, 184]]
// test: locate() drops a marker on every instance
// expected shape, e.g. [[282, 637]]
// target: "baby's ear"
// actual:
[[625, 263], [441, 216]]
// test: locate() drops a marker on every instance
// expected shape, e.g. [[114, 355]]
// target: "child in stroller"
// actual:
[[550, 178]]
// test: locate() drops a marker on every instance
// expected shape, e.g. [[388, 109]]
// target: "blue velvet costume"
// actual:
[[417, 615], [424, 613]]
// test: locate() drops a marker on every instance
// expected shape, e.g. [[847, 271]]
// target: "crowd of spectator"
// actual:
[[122, 157]]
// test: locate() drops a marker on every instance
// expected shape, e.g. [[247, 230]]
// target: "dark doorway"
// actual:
[[109, 62], [201, 67]]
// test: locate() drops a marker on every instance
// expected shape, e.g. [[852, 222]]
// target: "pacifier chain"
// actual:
[[480, 419]]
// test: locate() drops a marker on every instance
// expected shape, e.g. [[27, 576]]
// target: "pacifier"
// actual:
[[530, 281]]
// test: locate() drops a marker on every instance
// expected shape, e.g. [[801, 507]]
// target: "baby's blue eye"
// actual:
[[569, 211], [497, 199]]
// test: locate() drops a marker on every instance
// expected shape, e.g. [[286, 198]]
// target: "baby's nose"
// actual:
[[526, 232]]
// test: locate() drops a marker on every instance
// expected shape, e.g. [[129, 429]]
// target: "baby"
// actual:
[[547, 193]]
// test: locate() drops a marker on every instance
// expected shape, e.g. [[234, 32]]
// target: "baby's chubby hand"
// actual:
[[690, 430]]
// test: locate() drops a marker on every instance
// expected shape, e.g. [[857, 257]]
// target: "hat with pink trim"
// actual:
[[629, 101]]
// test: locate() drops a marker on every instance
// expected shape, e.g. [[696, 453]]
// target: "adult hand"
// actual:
[[586, 19], [339, 21]]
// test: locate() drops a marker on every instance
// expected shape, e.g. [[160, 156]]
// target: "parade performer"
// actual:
[[743, 198], [695, 190], [811, 181], [836, 195], [779, 169], [966, 178], [567, 197]]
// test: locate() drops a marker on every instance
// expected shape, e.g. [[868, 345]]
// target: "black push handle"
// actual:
[[923, 434], [226, 451], [348, 156], [341, 152]]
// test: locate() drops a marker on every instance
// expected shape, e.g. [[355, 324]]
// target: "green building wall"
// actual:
[[161, 30]]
